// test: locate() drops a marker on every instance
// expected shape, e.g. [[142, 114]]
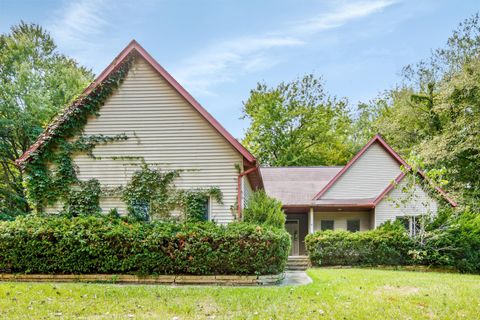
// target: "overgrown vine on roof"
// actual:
[[51, 174]]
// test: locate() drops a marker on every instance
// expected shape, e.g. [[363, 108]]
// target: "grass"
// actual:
[[334, 294]]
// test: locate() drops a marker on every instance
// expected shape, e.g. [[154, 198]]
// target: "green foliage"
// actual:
[[264, 210], [84, 199], [195, 201], [297, 124], [90, 244], [451, 240], [454, 241], [50, 175], [35, 82], [382, 246], [151, 193]]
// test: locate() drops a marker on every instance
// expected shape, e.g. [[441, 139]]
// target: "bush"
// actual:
[[383, 246], [455, 243], [264, 210], [92, 244]]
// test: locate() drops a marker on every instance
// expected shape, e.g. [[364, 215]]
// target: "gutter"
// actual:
[[239, 190]]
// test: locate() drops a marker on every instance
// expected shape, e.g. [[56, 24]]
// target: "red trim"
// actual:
[[239, 190], [133, 45], [389, 188], [397, 180], [400, 177], [378, 139]]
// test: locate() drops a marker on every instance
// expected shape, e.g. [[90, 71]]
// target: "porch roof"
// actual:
[[297, 185]]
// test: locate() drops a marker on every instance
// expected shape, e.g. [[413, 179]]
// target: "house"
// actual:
[[165, 126], [371, 189]]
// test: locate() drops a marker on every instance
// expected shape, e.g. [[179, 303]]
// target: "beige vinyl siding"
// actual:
[[367, 177], [247, 191], [340, 219], [398, 203], [165, 130]]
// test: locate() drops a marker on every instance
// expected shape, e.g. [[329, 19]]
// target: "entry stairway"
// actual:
[[298, 263]]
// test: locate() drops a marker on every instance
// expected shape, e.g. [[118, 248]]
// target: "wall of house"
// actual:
[[167, 132], [400, 203], [367, 177], [340, 219]]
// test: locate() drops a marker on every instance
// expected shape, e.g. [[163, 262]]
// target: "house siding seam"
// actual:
[[419, 203], [164, 129], [367, 177]]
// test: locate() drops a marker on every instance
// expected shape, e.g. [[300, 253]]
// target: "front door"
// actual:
[[292, 227]]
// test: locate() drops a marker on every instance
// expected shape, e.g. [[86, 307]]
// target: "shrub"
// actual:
[[93, 244], [383, 246], [455, 243], [265, 210]]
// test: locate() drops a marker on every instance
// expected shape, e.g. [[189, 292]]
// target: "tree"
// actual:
[[297, 124], [457, 146], [35, 82], [435, 112]]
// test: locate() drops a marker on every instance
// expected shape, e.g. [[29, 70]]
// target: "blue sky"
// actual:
[[220, 49]]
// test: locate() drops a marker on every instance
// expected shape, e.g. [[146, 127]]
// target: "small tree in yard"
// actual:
[[262, 209]]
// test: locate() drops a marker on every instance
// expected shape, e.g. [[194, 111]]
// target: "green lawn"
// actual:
[[335, 294]]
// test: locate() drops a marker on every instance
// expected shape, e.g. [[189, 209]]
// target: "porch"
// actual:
[[301, 221]]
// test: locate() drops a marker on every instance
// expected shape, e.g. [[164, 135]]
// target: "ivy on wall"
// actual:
[[50, 176], [151, 193]]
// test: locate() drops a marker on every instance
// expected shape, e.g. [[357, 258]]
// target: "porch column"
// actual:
[[310, 221]]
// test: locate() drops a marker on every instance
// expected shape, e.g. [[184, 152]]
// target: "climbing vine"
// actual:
[[51, 174], [195, 202], [151, 193]]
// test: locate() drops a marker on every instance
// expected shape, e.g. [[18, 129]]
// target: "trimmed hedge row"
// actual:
[[452, 242], [376, 247], [84, 245]]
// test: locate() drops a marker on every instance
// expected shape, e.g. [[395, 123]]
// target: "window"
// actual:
[[405, 221], [206, 209], [353, 225], [326, 225], [411, 223]]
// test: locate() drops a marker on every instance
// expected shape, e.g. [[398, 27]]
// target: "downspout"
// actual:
[[239, 190]]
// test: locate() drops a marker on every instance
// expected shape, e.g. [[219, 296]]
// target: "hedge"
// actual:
[[375, 247], [85, 245], [455, 244], [452, 241]]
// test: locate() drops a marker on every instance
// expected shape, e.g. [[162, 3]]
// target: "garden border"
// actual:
[[223, 280]]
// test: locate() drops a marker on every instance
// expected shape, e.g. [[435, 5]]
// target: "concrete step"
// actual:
[[298, 263]]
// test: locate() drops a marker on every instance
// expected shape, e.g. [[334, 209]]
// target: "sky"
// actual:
[[219, 49]]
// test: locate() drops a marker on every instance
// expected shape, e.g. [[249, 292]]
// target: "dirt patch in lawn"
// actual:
[[397, 290]]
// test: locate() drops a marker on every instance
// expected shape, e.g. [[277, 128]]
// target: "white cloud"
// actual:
[[245, 54], [222, 62], [339, 16], [78, 21]]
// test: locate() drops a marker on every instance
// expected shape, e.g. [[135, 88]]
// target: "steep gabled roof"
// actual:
[[135, 48], [378, 139]]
